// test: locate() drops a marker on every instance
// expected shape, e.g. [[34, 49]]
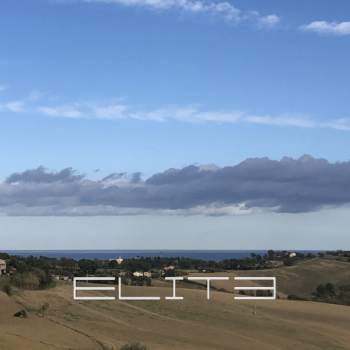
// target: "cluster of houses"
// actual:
[[150, 274], [145, 274], [67, 273]]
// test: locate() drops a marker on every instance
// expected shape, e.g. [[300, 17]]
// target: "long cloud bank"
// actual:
[[260, 184]]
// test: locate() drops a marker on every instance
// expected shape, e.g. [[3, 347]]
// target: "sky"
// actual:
[[119, 91]]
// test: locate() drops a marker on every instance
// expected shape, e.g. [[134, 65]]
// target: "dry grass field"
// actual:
[[193, 323], [301, 279]]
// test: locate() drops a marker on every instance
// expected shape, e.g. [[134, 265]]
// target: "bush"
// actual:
[[327, 290], [26, 280], [133, 346], [294, 297], [21, 313], [7, 288], [33, 279]]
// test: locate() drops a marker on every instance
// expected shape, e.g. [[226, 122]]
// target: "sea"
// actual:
[[214, 255]]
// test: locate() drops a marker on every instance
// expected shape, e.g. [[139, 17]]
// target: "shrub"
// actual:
[[325, 291], [26, 280], [133, 346], [294, 297], [34, 279], [21, 313], [7, 288]]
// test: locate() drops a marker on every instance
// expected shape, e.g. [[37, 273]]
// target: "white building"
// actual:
[[169, 268], [2, 266], [119, 260], [138, 274]]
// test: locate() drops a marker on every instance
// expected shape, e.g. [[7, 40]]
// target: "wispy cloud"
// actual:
[[339, 124], [117, 111], [22, 105], [301, 122], [221, 9], [63, 111], [37, 103], [187, 114], [16, 106], [324, 27]]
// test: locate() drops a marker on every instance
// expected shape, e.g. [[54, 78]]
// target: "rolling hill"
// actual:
[[193, 323]]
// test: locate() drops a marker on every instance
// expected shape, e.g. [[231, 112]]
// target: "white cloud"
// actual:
[[339, 124], [269, 21], [188, 114], [111, 111], [302, 122], [324, 27], [64, 111], [223, 9]]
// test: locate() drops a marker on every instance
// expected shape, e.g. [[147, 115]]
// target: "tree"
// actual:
[[270, 254]]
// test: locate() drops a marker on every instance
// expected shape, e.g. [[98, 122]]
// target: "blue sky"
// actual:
[[77, 77], [109, 86]]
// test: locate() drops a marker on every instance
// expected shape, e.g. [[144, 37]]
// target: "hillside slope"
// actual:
[[193, 323], [301, 279]]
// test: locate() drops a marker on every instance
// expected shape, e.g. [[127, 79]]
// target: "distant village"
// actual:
[[43, 272]]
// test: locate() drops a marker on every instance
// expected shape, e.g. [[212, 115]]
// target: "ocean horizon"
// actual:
[[215, 255]]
